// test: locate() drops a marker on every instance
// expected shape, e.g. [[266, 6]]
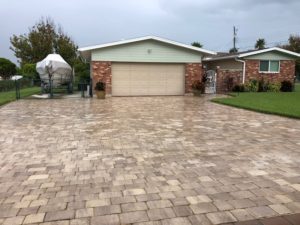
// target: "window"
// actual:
[[269, 66]]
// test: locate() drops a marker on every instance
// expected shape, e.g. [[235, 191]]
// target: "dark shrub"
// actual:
[[238, 88], [262, 86], [252, 86], [100, 86], [199, 86], [286, 86]]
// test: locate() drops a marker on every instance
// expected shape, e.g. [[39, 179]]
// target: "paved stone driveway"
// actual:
[[147, 160]]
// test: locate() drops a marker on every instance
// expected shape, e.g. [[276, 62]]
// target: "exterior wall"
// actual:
[[228, 64], [147, 51], [226, 79], [271, 56], [287, 71], [193, 72], [101, 71]]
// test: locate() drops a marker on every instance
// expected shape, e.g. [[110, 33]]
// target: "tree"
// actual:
[[197, 44], [29, 70], [233, 50], [294, 45], [7, 68], [260, 44], [42, 39]]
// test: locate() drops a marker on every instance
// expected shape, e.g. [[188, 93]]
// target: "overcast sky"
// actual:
[[210, 22]]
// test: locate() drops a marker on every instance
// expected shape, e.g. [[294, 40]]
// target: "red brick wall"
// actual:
[[193, 72], [101, 71], [224, 75], [287, 71]]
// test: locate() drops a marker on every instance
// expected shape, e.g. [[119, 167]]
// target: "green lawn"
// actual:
[[10, 96], [282, 103]]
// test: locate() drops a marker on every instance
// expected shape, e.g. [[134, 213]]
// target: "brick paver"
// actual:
[[149, 160]]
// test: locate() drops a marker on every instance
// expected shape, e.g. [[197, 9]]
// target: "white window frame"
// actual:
[[270, 66]]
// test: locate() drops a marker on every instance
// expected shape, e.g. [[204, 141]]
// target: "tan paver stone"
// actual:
[[97, 203], [105, 220], [160, 214], [159, 204], [22, 204], [173, 182], [146, 197], [296, 186], [8, 212], [221, 217], [280, 209], [176, 221], [203, 208], [60, 215], [38, 177], [257, 172], [48, 185], [110, 194], [149, 223], [198, 199], [205, 179], [133, 217], [120, 200], [87, 212], [200, 219], [64, 222], [223, 205], [179, 201], [81, 221], [53, 207], [106, 210], [30, 197], [28, 211], [34, 218], [38, 202], [242, 194], [167, 195], [13, 220], [241, 203], [136, 206], [182, 211], [137, 191], [261, 211], [293, 206], [241, 214]]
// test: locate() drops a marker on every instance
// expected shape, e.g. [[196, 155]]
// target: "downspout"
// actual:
[[244, 68]]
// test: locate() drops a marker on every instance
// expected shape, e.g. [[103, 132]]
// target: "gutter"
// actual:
[[244, 68]]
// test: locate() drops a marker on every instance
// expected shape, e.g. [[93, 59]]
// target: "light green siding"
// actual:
[[271, 56], [226, 64], [147, 51]]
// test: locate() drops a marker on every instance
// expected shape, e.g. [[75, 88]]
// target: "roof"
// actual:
[[222, 55], [86, 51]]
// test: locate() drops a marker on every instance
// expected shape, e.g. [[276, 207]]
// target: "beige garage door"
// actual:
[[136, 79]]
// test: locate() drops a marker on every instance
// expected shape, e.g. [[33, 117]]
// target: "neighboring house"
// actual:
[[156, 66], [271, 64]]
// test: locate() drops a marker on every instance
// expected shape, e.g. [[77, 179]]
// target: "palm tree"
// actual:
[[197, 44], [260, 44]]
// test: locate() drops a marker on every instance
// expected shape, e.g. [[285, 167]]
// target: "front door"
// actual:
[[210, 84]]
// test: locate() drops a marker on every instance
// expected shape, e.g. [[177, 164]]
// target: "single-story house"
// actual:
[[271, 64], [157, 66]]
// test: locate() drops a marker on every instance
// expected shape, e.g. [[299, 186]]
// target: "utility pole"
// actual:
[[234, 38]]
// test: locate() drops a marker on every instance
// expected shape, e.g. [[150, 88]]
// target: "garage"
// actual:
[[146, 66], [142, 79]]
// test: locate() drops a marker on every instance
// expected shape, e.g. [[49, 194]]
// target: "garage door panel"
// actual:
[[134, 79]]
